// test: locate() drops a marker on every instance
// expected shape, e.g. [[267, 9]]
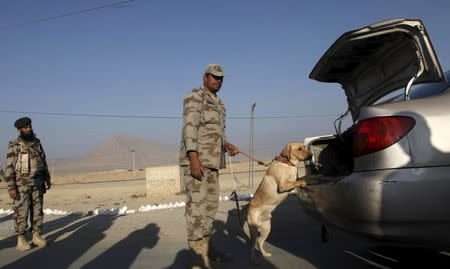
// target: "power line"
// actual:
[[64, 15], [157, 117], [285, 117], [297, 103], [89, 115]]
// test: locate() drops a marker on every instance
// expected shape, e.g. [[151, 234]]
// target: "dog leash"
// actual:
[[235, 193], [250, 157]]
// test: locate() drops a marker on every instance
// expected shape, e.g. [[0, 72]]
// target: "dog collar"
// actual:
[[282, 159]]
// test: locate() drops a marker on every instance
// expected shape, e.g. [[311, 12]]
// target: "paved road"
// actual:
[[156, 239]]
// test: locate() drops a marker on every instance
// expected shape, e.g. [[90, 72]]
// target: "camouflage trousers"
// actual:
[[29, 205], [202, 202]]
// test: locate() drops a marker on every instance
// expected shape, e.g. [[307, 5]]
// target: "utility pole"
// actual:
[[251, 151], [134, 164]]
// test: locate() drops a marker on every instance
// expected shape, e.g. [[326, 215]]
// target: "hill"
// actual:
[[116, 153]]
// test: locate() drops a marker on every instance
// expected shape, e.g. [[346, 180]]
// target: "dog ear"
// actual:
[[286, 152]]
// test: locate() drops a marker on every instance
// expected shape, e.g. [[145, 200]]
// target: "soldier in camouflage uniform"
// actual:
[[27, 177], [202, 154]]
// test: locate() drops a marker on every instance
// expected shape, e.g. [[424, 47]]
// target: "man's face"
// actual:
[[26, 130], [212, 83], [26, 133]]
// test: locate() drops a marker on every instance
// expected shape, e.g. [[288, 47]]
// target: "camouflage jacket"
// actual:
[[203, 129], [25, 164]]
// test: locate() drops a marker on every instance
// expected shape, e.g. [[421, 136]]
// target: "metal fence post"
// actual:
[[251, 151]]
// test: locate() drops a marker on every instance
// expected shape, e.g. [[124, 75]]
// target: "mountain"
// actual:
[[116, 152]]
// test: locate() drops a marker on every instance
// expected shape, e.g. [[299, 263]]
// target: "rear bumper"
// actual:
[[408, 205]]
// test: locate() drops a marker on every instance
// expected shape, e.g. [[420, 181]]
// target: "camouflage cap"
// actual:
[[215, 69], [22, 122]]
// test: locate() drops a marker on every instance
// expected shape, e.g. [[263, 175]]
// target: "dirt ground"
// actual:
[[115, 189]]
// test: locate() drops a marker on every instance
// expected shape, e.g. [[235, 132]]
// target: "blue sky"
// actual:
[[141, 58]]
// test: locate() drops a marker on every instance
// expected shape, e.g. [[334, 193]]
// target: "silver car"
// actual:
[[388, 175]]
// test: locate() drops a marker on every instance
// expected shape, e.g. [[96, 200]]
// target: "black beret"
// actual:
[[22, 122]]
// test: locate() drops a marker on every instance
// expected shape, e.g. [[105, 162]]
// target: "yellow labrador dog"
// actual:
[[279, 180]]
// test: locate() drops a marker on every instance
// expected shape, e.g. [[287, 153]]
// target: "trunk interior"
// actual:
[[332, 156]]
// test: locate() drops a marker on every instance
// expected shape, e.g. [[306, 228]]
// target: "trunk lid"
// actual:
[[376, 60]]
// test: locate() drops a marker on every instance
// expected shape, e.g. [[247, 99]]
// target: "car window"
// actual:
[[426, 90]]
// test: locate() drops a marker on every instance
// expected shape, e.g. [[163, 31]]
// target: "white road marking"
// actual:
[[367, 260], [382, 256]]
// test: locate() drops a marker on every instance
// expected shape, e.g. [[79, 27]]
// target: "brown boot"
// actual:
[[22, 243], [38, 240], [198, 254], [214, 254]]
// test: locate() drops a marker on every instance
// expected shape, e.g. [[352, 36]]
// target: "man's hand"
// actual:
[[14, 194], [196, 165], [231, 149]]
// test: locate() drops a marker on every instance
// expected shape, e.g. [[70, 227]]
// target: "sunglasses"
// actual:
[[216, 77]]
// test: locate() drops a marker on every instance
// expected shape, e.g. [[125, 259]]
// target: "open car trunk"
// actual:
[[332, 156], [370, 63]]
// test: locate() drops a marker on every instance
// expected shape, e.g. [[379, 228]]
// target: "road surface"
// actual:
[[157, 239]]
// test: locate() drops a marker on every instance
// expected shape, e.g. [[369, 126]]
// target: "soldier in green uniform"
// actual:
[[28, 178], [202, 154]]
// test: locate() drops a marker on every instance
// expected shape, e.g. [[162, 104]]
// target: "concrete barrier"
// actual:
[[162, 175]]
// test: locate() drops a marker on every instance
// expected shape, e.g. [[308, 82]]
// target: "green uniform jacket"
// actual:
[[20, 159], [203, 129]]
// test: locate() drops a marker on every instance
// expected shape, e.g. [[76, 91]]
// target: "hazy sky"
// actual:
[[143, 57]]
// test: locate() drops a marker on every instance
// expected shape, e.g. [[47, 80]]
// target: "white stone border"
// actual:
[[124, 209], [6, 212]]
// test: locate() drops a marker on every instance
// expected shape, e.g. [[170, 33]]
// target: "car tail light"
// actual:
[[374, 134]]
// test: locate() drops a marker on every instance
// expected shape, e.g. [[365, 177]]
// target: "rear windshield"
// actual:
[[426, 90]]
